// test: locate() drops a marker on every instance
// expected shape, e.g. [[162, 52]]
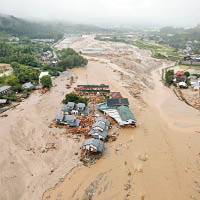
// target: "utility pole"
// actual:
[[86, 78]]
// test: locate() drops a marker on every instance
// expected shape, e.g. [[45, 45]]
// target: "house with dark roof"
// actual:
[[100, 128], [82, 109], [97, 134], [67, 120], [119, 110], [101, 119], [72, 108], [4, 89], [68, 108], [93, 145], [116, 102]]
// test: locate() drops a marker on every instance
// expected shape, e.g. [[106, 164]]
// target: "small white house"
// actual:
[[182, 84]]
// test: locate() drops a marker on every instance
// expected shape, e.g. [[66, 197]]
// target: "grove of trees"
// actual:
[[70, 58], [74, 98]]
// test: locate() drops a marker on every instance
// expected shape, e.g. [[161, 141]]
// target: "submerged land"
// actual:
[[157, 160]]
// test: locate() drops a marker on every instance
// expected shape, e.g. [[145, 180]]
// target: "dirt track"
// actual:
[[157, 160]]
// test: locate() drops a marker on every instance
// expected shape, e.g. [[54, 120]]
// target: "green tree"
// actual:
[[169, 76], [46, 81], [187, 74], [74, 98]]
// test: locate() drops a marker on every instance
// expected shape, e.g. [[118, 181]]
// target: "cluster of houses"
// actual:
[[115, 106], [4, 90], [189, 60], [98, 132], [70, 111], [180, 78], [48, 57]]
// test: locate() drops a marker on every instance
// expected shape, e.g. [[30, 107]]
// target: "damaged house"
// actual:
[[67, 120], [82, 109], [118, 109], [68, 108], [77, 109], [100, 128], [93, 145]]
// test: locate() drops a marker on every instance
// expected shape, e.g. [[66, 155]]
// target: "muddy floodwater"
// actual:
[[160, 159]]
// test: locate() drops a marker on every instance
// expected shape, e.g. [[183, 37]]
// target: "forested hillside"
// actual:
[[21, 28]]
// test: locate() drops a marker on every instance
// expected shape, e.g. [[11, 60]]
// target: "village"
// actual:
[[88, 118], [184, 78], [93, 119], [10, 99]]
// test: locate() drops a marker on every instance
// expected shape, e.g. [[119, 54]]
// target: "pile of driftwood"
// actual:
[[89, 158], [85, 125]]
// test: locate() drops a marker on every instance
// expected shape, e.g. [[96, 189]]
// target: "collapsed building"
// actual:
[[67, 120], [118, 109], [93, 145], [100, 128]]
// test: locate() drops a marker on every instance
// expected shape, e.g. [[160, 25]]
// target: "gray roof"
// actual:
[[80, 105], [125, 113], [59, 117], [103, 133], [70, 117], [86, 111], [65, 108], [27, 85], [97, 143], [107, 122], [71, 104], [117, 102], [25, 95], [4, 88], [99, 124]]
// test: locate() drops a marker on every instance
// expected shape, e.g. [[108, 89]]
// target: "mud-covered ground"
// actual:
[[157, 160]]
